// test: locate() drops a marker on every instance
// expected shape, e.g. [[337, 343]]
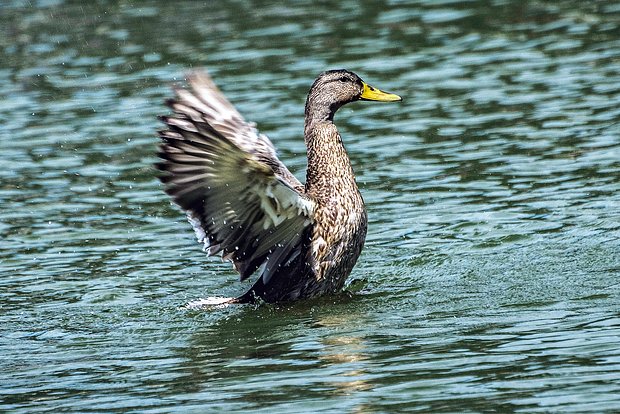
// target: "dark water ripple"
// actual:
[[489, 281]]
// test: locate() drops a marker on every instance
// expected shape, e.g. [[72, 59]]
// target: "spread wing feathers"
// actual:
[[240, 199], [206, 103]]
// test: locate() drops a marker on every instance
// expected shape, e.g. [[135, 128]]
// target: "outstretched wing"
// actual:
[[240, 199]]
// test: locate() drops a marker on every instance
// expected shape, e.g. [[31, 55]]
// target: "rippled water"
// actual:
[[490, 281]]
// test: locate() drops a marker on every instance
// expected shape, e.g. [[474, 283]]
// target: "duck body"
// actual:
[[302, 240], [333, 242]]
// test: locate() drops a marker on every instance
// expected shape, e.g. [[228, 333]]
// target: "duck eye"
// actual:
[[343, 79]]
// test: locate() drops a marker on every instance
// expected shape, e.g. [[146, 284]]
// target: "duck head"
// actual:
[[335, 88]]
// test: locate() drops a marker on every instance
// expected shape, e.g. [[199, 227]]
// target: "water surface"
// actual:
[[490, 281]]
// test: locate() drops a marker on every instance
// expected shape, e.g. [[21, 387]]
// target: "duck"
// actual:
[[299, 240]]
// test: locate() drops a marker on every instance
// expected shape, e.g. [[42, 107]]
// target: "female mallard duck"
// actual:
[[245, 204]]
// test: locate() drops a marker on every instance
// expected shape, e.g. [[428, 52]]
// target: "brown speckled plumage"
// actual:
[[244, 203]]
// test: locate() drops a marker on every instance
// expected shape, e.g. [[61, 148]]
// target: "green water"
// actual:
[[490, 281]]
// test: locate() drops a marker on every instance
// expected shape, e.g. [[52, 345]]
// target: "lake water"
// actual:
[[490, 281]]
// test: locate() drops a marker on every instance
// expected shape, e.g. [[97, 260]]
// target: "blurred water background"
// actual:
[[490, 281]]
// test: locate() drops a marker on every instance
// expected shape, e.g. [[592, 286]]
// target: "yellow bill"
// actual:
[[373, 94]]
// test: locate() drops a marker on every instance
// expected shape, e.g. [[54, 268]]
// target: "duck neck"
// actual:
[[329, 172]]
